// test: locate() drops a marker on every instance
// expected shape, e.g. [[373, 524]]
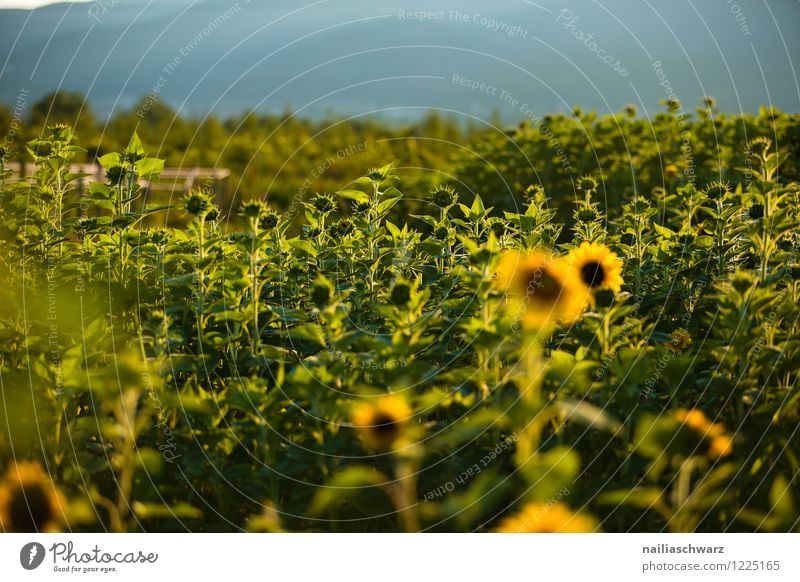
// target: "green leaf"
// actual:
[[637, 497], [135, 145], [357, 195], [180, 510], [311, 332], [303, 245], [110, 160], [149, 167], [664, 231], [344, 485], [549, 472], [589, 415], [780, 497]]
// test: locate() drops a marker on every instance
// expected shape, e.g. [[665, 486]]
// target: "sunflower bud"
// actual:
[[361, 207], [401, 294], [324, 203], [85, 223], [344, 227], [587, 214], [441, 232], [269, 220], [444, 196], [253, 209], [196, 203], [321, 292], [717, 190], [755, 212], [587, 183]]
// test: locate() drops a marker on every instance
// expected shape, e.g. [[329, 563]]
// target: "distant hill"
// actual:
[[352, 57]]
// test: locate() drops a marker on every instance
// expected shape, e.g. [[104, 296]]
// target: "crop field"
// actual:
[[583, 323]]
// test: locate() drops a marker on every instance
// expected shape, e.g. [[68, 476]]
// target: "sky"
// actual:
[[29, 3], [352, 57]]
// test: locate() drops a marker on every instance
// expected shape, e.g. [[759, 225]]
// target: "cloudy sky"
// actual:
[[28, 3]]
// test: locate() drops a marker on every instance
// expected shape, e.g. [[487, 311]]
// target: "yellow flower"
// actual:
[[538, 517], [29, 501], [721, 445], [540, 287], [698, 422], [681, 339], [596, 266], [381, 423], [670, 171]]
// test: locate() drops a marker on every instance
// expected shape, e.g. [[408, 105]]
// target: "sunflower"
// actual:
[[596, 266], [541, 287], [680, 340], [720, 444], [29, 501], [537, 517], [381, 423]]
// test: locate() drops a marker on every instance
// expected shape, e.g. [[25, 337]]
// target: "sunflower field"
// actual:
[[583, 356]]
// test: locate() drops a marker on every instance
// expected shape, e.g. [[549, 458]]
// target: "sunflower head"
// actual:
[[533, 193], [401, 294], [321, 292], [541, 287], [197, 203], [596, 267], [382, 422], [587, 183], [268, 220], [587, 214], [324, 203], [537, 517], [29, 502], [444, 196], [361, 207], [755, 211], [680, 339], [344, 227], [253, 209], [720, 444], [670, 171], [441, 232], [718, 189], [115, 175]]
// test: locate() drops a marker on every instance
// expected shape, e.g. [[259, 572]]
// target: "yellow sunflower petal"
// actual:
[[596, 267], [381, 423], [541, 288], [536, 517]]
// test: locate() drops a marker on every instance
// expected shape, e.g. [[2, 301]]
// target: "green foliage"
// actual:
[[205, 377]]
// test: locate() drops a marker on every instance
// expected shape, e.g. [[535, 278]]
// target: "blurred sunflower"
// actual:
[[720, 444], [381, 423], [537, 517], [680, 339], [541, 287], [29, 501], [596, 266]]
